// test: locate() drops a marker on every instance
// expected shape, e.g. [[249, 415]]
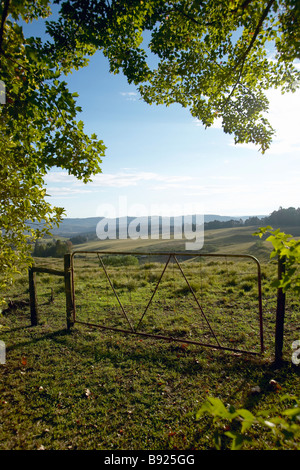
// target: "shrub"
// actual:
[[55, 249], [236, 424], [119, 260]]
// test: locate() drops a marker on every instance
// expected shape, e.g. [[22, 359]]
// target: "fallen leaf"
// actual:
[[24, 361], [275, 385]]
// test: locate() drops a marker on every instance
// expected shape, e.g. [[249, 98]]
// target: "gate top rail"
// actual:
[[170, 253], [55, 272]]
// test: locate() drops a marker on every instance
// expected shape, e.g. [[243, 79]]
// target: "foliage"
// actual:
[[39, 131], [284, 246], [216, 58], [284, 217], [79, 239], [118, 260], [289, 217], [284, 425]]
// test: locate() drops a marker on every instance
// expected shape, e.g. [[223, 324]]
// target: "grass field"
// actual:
[[228, 240], [90, 388]]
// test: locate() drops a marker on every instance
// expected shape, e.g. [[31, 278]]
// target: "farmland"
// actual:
[[94, 388]]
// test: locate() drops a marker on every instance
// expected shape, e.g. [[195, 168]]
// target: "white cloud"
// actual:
[[284, 117], [129, 95], [58, 177], [121, 180], [110, 180], [58, 191], [216, 125]]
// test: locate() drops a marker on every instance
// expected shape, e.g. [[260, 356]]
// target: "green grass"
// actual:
[[90, 388]]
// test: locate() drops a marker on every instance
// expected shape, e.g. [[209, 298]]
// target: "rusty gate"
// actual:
[[190, 298]]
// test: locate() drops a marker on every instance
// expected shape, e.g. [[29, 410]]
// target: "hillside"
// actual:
[[239, 240]]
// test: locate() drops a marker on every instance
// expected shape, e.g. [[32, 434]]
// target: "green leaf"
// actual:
[[215, 407], [237, 439], [248, 419], [292, 412]]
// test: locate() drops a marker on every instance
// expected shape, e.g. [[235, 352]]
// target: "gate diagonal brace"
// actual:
[[116, 295], [194, 295], [153, 293]]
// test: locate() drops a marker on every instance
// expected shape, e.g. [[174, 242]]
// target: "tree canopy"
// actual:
[[216, 58], [38, 131]]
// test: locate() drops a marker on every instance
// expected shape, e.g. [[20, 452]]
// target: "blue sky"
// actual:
[[160, 159]]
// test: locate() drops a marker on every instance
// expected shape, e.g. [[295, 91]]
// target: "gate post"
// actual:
[[34, 314], [280, 311], [68, 290]]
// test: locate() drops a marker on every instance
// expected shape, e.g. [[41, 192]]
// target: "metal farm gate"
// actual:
[[211, 300]]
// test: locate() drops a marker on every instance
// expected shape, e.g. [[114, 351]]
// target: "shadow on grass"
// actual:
[[248, 373], [179, 357], [32, 341]]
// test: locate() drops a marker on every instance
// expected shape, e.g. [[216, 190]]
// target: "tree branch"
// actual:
[[256, 32], [246, 3], [244, 56]]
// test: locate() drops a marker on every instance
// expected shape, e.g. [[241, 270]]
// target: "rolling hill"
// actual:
[[75, 226]]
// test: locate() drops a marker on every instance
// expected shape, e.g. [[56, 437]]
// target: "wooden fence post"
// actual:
[[68, 289], [280, 312], [34, 314]]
